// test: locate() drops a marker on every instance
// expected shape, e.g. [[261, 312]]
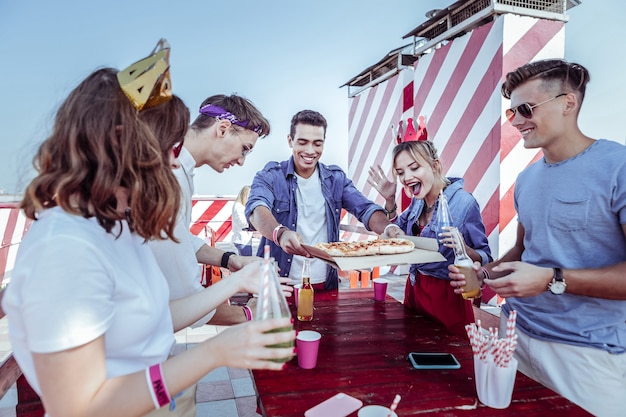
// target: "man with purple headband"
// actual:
[[223, 134]]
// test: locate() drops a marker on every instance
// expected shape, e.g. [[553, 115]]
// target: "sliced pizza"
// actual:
[[367, 247]]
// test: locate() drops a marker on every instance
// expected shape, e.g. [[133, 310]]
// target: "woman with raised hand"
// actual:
[[89, 320], [428, 290]]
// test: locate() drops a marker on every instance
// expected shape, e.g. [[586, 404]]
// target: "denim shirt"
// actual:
[[465, 214], [275, 188]]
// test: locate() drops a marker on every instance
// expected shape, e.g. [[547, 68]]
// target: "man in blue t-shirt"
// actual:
[[566, 274]]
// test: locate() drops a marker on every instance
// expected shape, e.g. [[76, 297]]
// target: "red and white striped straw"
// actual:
[[394, 405], [473, 338], [510, 349], [510, 324], [484, 348], [500, 353], [266, 282]]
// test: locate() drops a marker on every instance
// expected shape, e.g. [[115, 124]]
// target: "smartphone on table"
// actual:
[[433, 360]]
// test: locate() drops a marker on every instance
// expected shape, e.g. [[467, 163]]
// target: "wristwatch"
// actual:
[[558, 285], [225, 258]]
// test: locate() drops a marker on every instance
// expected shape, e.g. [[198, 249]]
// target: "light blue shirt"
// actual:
[[572, 213]]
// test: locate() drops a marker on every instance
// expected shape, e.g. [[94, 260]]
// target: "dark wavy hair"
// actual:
[[98, 145], [557, 74]]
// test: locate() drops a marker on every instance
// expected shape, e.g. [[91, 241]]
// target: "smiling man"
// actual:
[[300, 200], [566, 274], [222, 135]]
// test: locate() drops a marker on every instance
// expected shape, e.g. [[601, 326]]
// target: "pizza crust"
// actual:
[[367, 247]]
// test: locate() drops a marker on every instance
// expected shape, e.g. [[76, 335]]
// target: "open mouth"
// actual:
[[415, 188]]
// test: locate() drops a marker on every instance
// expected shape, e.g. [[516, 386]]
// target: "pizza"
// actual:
[[367, 247]]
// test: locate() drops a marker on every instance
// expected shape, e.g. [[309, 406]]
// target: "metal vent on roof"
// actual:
[[554, 6], [458, 13]]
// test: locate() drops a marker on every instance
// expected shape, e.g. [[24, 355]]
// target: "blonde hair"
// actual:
[[244, 194], [421, 150]]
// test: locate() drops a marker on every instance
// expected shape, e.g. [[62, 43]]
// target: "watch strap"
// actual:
[[225, 257]]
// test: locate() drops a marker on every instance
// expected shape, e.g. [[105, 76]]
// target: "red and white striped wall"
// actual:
[[372, 115], [457, 88]]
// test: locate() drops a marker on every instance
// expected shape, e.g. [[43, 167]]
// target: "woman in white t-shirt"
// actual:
[[87, 305]]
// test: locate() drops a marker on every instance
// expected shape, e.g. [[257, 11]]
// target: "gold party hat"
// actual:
[[147, 82]]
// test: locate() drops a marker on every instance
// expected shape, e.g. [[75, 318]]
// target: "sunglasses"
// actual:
[[177, 148], [526, 110]]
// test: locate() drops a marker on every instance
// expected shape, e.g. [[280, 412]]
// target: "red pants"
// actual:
[[436, 298]]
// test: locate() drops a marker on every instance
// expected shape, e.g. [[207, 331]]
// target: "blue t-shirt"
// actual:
[[572, 213]]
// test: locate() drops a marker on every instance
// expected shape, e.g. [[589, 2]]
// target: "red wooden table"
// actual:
[[364, 353]]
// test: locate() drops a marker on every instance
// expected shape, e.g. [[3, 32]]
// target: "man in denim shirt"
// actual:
[[300, 201]]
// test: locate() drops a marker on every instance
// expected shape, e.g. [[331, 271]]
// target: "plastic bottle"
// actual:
[[305, 294]]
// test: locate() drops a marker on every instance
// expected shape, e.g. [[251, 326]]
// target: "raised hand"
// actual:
[[378, 179]]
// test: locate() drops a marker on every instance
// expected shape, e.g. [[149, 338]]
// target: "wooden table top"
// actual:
[[364, 353]]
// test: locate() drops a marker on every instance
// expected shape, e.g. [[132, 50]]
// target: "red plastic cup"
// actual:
[[380, 289], [307, 343]]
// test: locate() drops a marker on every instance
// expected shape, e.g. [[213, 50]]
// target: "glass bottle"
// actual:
[[464, 263], [273, 304], [305, 294], [443, 220]]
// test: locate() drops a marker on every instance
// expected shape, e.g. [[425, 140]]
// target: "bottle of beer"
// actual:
[[305, 294], [464, 263]]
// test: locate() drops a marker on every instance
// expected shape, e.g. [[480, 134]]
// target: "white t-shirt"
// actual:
[[240, 236], [178, 260], [74, 282], [311, 225]]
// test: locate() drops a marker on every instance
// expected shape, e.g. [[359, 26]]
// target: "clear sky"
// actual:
[[283, 55]]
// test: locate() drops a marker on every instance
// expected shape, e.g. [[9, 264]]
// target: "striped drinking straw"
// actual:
[[394, 405], [510, 324], [266, 281]]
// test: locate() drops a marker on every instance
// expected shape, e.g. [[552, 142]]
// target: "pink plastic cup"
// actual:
[[380, 289], [307, 343]]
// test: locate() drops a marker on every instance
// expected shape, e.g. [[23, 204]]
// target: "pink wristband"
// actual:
[[275, 234], [159, 392], [248, 313]]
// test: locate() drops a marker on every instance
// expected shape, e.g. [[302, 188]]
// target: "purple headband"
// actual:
[[220, 113]]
